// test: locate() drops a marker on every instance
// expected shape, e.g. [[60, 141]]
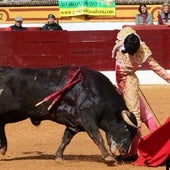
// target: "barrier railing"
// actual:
[[35, 48]]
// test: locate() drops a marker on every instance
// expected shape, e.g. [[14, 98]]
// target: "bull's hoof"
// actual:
[[110, 159], [36, 122], [59, 159], [3, 150]]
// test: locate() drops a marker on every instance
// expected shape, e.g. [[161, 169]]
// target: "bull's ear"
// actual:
[[125, 115]]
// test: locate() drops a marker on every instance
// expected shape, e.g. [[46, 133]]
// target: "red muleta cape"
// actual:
[[154, 149]]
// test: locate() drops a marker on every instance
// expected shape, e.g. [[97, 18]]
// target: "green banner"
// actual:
[[87, 7]]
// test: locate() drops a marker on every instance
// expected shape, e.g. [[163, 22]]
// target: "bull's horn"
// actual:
[[125, 117]]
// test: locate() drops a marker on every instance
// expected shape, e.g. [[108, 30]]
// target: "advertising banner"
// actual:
[[87, 7]]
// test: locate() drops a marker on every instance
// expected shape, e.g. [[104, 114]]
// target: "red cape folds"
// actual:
[[154, 149]]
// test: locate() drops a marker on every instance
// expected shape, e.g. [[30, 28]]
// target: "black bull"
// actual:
[[79, 98]]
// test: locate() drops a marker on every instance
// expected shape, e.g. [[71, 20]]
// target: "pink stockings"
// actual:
[[147, 117], [151, 124], [149, 121]]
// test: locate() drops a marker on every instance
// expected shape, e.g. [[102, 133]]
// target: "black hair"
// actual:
[[131, 44], [140, 6]]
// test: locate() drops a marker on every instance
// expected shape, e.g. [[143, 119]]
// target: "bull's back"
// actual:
[[25, 86], [26, 82], [99, 83], [103, 87]]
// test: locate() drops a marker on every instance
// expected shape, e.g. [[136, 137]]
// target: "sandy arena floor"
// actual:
[[33, 148]]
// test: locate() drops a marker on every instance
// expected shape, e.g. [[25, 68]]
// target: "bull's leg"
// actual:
[[3, 139], [68, 135], [93, 131], [97, 138]]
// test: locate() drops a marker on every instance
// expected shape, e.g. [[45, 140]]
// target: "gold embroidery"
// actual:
[[142, 54]]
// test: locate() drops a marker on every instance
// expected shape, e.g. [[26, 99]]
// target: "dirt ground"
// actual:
[[33, 148]]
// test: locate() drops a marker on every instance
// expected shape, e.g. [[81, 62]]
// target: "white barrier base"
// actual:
[[145, 77]]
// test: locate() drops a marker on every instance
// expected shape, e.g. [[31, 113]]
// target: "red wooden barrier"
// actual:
[[92, 48], [35, 48]]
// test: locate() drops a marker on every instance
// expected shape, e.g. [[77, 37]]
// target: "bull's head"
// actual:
[[121, 133]]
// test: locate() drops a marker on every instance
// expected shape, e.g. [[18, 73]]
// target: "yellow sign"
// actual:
[[86, 7]]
